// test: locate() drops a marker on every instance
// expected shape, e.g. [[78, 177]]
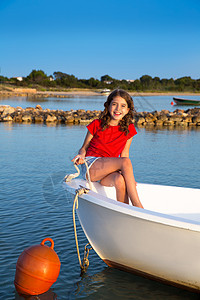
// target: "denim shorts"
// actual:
[[89, 160]]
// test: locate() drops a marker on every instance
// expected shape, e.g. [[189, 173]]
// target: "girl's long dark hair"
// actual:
[[127, 119]]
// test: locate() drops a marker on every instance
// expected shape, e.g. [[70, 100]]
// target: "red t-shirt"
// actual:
[[107, 143]]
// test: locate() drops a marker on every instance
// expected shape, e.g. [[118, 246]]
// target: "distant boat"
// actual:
[[105, 91], [182, 101]]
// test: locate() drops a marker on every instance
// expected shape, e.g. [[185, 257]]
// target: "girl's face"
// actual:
[[118, 108]]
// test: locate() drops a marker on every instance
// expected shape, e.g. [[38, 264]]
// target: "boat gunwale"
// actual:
[[137, 212]]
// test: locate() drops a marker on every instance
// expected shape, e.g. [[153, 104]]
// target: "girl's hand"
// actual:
[[78, 159]]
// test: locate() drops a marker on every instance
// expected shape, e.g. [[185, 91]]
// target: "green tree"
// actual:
[[4, 79], [93, 82], [146, 82], [106, 78], [37, 76], [66, 80], [156, 83], [185, 83], [197, 85], [136, 85]]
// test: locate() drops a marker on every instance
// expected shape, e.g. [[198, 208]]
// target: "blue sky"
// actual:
[[125, 39]]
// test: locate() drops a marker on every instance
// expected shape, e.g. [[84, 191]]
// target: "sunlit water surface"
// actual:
[[34, 159]]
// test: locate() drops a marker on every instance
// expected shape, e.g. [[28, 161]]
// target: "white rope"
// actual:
[[87, 172], [69, 177]]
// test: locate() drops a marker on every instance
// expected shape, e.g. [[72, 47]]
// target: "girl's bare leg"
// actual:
[[117, 180], [106, 165]]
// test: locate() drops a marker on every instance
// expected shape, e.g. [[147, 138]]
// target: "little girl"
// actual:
[[106, 147]]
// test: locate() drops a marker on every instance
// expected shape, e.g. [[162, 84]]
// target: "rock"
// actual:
[[3, 107], [179, 117], [51, 118], [155, 113], [191, 124], [29, 109], [150, 118], [8, 110], [178, 123], [162, 117], [60, 120], [168, 123], [47, 110], [193, 111], [150, 125], [164, 111], [77, 119], [159, 122], [39, 119], [183, 124], [69, 119], [141, 121], [196, 119], [142, 125], [176, 118], [86, 121], [187, 119], [38, 107], [18, 118], [7, 118], [176, 111], [27, 118]]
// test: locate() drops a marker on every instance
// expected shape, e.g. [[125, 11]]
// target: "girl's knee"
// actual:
[[126, 161], [119, 181]]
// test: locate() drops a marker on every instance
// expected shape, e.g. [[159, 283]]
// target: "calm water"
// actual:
[[35, 158], [150, 103]]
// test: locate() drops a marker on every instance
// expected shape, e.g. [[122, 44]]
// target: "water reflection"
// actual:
[[49, 295], [34, 99], [115, 284], [157, 128]]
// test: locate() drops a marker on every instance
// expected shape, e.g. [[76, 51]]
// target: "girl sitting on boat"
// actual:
[[106, 147]]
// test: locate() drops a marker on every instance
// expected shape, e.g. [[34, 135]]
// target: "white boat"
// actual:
[[105, 92], [161, 241]]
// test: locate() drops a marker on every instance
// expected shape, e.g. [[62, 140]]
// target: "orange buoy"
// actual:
[[37, 269], [172, 103]]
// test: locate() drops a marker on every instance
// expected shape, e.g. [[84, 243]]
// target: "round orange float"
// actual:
[[37, 269]]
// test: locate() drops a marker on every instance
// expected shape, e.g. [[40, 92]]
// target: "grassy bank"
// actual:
[[11, 90]]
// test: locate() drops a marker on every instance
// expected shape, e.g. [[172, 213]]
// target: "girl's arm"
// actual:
[[82, 151], [125, 151]]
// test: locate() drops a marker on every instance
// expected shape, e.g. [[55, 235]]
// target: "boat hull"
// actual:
[[155, 245], [180, 101]]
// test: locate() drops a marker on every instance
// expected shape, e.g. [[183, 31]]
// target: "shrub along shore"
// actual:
[[163, 118], [34, 93]]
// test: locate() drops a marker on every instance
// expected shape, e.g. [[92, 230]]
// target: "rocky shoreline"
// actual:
[[183, 118]]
